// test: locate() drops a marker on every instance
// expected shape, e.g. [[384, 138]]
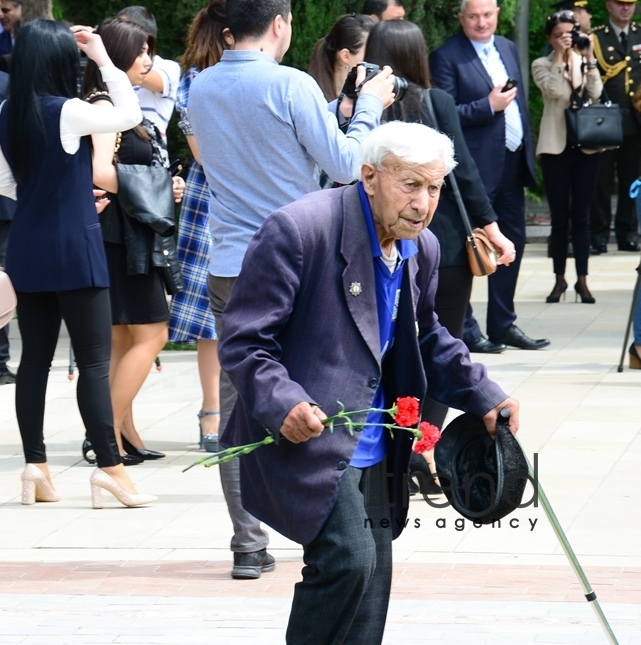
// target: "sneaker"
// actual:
[[7, 377], [249, 566]]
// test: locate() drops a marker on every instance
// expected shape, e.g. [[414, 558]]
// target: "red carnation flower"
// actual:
[[407, 411], [431, 435]]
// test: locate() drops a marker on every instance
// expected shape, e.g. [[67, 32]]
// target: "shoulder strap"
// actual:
[[102, 95], [429, 106]]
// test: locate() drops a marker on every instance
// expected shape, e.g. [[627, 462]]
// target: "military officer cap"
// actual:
[[562, 5]]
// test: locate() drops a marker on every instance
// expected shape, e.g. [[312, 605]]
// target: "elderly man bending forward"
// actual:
[[331, 295]]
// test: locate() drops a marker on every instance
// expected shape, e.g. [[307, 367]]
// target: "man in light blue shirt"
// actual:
[[263, 131]]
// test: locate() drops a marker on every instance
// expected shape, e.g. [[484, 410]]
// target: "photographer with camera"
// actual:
[[263, 129], [569, 172]]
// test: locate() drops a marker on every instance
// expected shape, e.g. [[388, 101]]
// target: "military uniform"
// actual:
[[620, 70]]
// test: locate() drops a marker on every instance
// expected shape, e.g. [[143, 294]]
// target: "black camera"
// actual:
[[579, 40], [350, 90]]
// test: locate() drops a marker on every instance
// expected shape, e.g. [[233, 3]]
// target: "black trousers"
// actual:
[[87, 314], [508, 201], [570, 179], [625, 160], [452, 295], [344, 594]]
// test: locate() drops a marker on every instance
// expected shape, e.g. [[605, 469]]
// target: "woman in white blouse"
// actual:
[[569, 172], [55, 255]]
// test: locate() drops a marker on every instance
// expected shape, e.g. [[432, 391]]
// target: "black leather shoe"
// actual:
[[484, 346], [597, 249], [130, 460], [249, 566], [629, 246], [514, 337], [143, 453]]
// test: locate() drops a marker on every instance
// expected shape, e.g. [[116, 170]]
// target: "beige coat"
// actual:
[[553, 81]]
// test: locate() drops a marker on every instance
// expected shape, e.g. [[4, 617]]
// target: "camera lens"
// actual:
[[400, 87]]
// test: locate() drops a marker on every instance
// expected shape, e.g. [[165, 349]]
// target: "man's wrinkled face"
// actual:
[[403, 198], [479, 20], [10, 14]]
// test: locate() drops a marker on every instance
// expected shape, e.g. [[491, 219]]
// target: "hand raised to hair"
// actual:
[[91, 44]]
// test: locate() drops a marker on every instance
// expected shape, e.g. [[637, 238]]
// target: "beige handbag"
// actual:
[[8, 299]]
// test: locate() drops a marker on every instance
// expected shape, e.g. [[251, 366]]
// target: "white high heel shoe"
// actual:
[[100, 479], [36, 487]]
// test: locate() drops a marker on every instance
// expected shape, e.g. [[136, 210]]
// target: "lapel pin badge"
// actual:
[[355, 288]]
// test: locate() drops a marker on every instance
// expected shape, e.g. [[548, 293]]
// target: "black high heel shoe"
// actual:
[[90, 456], [87, 452], [584, 293], [143, 455], [420, 469], [558, 292]]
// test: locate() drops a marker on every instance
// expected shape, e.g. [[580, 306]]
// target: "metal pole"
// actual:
[[590, 596]]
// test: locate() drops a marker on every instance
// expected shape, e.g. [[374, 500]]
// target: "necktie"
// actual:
[[624, 39], [496, 69]]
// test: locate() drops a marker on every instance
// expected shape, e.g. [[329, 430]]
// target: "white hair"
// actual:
[[413, 143], [464, 3]]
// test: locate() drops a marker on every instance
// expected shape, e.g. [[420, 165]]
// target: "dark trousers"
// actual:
[[508, 202], [452, 296], [344, 594], [248, 535], [625, 161], [4, 331], [87, 314], [570, 179]]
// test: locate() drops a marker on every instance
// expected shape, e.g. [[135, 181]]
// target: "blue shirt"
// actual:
[[370, 449], [262, 130]]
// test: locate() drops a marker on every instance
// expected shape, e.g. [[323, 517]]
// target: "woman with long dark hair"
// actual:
[[191, 317], [334, 55], [569, 172], [55, 255], [139, 311], [401, 45]]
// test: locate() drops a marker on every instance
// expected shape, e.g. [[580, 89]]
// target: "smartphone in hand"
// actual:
[[510, 84]]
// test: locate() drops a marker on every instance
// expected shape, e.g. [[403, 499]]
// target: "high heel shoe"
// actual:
[[87, 452], [143, 453], [420, 469], [100, 480], [127, 460], [558, 292], [586, 297], [208, 442], [635, 359], [36, 487]]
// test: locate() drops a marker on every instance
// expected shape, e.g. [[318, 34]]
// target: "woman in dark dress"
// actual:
[[55, 255], [401, 45], [138, 301]]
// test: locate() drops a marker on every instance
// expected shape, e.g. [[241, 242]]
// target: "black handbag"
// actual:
[[145, 193], [596, 126]]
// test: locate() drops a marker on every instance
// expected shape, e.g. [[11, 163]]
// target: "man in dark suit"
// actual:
[[474, 67], [10, 17], [327, 306], [617, 47]]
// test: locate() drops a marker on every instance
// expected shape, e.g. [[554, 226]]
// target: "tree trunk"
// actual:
[[522, 38], [36, 9]]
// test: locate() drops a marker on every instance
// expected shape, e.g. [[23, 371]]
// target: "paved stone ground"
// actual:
[[73, 575]]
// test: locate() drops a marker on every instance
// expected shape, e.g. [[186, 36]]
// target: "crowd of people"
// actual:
[[346, 276]]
